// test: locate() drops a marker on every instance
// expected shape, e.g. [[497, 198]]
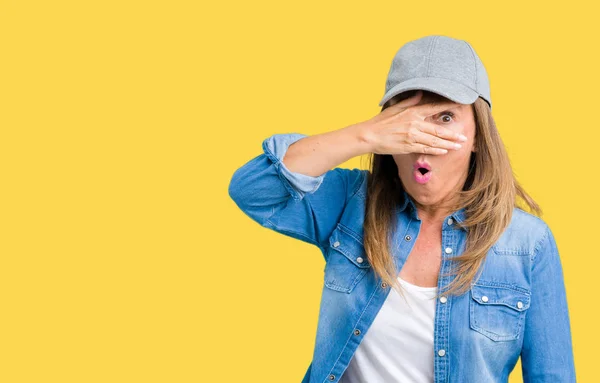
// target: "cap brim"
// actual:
[[450, 89]]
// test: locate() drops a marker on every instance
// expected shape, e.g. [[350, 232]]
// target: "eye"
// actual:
[[447, 113]]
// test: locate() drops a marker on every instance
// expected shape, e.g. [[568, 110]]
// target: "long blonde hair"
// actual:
[[488, 196]]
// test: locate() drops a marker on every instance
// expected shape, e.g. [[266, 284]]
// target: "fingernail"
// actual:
[[462, 137], [457, 145]]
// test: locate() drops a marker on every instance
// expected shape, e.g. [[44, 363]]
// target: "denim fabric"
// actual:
[[517, 306]]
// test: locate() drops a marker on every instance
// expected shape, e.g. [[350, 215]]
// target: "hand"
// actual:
[[401, 128]]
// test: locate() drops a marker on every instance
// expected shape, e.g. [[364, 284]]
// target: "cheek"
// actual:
[[469, 131], [455, 163], [467, 128], [403, 162]]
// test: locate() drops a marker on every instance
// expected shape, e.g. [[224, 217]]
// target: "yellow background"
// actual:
[[123, 259]]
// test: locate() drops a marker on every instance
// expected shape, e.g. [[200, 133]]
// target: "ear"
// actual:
[[474, 148]]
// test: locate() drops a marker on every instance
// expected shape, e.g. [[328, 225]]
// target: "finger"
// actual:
[[433, 141], [420, 148], [407, 102], [440, 131], [429, 109]]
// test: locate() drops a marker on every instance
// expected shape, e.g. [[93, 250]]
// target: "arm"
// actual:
[[298, 195], [547, 353]]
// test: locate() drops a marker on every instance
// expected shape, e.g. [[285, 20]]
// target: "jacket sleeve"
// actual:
[[297, 205], [547, 353]]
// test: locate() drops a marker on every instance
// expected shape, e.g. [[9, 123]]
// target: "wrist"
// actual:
[[362, 137]]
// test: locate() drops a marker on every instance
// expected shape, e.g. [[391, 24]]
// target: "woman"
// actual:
[[433, 273]]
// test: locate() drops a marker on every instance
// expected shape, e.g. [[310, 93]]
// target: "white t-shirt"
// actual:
[[398, 347]]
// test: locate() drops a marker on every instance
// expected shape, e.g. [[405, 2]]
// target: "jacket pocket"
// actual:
[[347, 261], [497, 310]]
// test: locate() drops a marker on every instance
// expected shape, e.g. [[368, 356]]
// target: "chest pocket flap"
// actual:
[[347, 243], [347, 261], [498, 310], [494, 295]]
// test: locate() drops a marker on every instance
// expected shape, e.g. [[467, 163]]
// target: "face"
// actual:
[[448, 171]]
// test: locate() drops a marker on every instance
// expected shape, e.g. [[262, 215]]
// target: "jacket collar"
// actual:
[[407, 202]]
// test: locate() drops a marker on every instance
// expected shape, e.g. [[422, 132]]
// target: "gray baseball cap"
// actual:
[[440, 64]]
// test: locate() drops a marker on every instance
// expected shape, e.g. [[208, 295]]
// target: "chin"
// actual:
[[423, 199], [427, 188], [425, 194]]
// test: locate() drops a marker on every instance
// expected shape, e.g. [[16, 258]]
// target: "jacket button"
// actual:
[[407, 238], [384, 285], [448, 250], [520, 305], [357, 332], [443, 299], [450, 221], [484, 298], [442, 352], [336, 244], [359, 260], [331, 377]]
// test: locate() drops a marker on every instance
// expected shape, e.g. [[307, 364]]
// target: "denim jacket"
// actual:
[[517, 306]]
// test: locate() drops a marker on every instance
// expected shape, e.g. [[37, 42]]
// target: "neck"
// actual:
[[436, 212]]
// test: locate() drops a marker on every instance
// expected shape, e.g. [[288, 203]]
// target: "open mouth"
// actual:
[[422, 172]]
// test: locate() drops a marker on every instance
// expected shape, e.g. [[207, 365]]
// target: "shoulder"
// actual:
[[354, 179], [523, 234], [522, 219]]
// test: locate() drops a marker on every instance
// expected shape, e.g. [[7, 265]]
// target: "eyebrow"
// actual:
[[456, 108]]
